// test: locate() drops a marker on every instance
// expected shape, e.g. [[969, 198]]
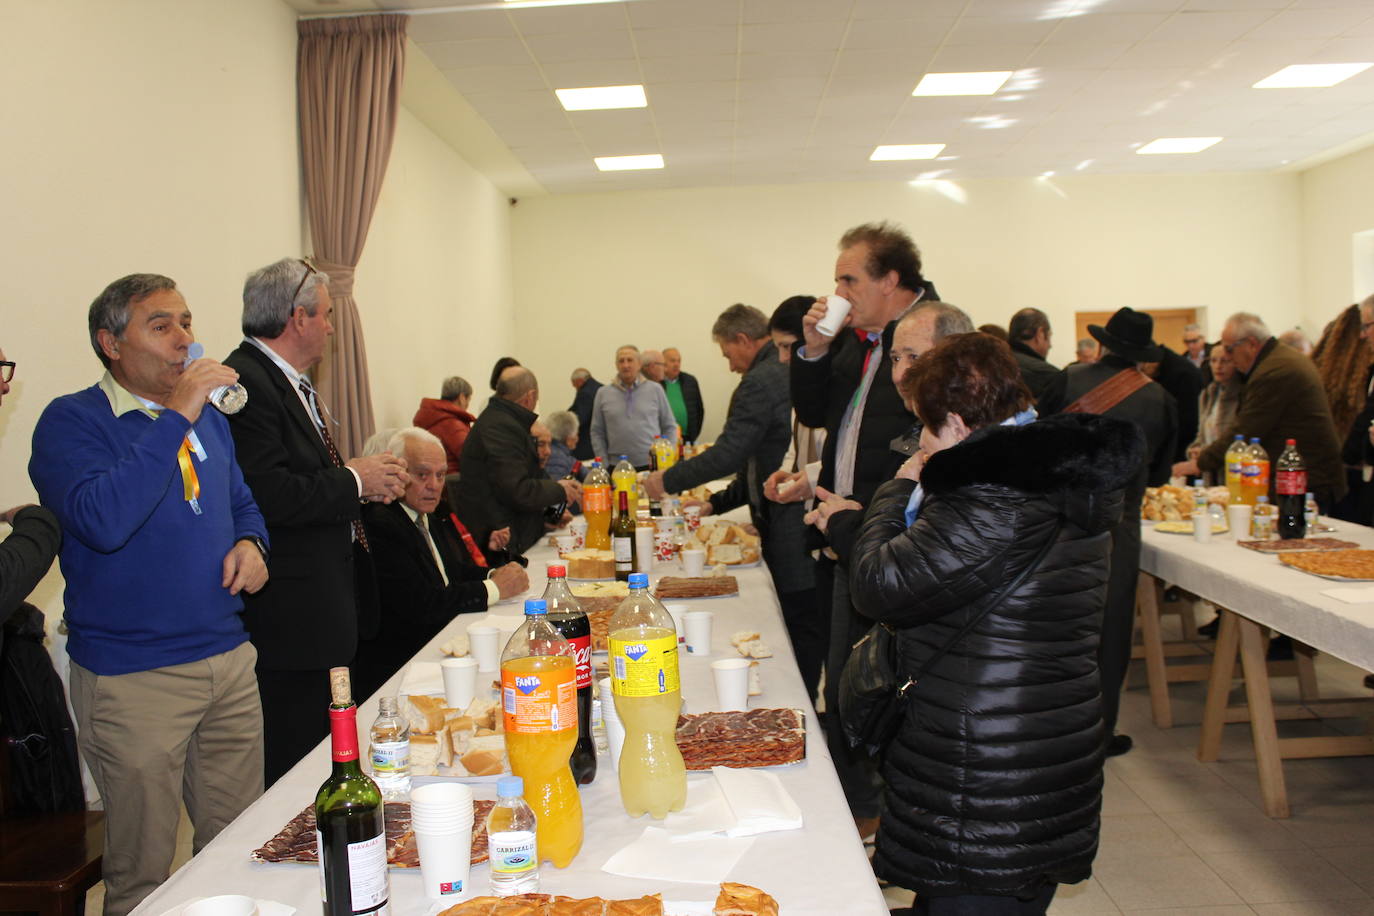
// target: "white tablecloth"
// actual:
[[1258, 586], [820, 869]]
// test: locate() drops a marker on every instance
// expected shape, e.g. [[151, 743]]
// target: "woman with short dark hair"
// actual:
[[993, 541]]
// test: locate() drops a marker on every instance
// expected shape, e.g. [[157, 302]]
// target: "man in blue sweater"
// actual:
[[160, 538]]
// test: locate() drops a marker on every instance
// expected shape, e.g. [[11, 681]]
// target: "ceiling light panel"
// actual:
[[985, 82], [895, 152], [1311, 76], [1166, 145], [629, 163], [594, 98]]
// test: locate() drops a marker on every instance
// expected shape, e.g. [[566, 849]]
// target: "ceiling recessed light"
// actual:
[[626, 163], [1177, 145], [984, 83], [1310, 76], [906, 151], [599, 97]]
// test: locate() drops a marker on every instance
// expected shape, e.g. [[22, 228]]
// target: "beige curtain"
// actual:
[[349, 74]]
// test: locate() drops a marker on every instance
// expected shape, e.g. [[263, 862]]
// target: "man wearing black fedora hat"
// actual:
[[1114, 387]]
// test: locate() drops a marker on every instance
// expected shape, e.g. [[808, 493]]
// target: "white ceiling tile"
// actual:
[[690, 97], [667, 14], [460, 26], [1200, 25], [689, 68], [791, 37], [562, 20], [903, 35], [998, 30], [915, 9], [958, 58], [878, 64], [1017, 9], [496, 79], [1316, 23], [676, 42], [1107, 27], [794, 10], [1344, 50], [486, 52], [769, 66], [614, 44], [577, 74], [1181, 54], [549, 133], [1087, 56]]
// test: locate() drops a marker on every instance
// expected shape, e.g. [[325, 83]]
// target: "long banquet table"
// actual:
[[1252, 591], [820, 869]]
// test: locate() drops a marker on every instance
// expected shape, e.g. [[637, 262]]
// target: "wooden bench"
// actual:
[[49, 861]]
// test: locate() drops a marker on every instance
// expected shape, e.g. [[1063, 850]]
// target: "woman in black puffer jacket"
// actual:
[[994, 782]]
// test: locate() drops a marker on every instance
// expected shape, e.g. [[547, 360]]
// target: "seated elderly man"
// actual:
[[424, 575], [563, 426]]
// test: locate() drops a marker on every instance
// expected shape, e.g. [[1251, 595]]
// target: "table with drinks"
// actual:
[[1254, 592], [819, 868]]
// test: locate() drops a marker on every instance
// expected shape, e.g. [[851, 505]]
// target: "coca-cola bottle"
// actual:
[[568, 618], [1290, 486]]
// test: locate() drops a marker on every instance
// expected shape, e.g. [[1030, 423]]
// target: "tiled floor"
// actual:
[[1183, 837]]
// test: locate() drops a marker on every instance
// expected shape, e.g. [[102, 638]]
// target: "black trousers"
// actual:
[[295, 718], [1118, 619], [858, 772], [983, 905]]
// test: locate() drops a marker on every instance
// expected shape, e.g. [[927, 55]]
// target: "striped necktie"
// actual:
[[322, 428]]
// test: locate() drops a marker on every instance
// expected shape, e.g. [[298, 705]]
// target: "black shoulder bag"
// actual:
[[873, 693]]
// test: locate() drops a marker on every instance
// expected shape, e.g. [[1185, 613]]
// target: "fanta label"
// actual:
[[644, 668], [534, 704]]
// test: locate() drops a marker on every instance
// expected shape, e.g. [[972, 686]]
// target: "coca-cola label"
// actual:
[[1291, 483], [582, 651]]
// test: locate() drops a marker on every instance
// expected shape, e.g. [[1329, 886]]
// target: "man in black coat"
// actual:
[[586, 388], [1358, 448], [424, 576], [320, 598], [843, 383], [1029, 336], [1177, 376], [688, 390], [502, 485], [1126, 340]]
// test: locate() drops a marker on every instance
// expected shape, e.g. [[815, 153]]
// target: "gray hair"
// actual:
[[1192, 327], [515, 385], [949, 318], [1087, 345], [579, 375], [378, 442], [110, 310], [740, 319], [1368, 302], [651, 357], [396, 442], [1248, 325], [1026, 323], [562, 423], [455, 387], [265, 307], [627, 347]]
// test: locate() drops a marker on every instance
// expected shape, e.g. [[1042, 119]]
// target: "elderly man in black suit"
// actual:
[[320, 597], [425, 577]]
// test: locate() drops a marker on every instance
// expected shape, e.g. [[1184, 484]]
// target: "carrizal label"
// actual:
[[539, 702], [644, 667]]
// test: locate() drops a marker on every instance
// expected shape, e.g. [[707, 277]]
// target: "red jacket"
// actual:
[[449, 422]]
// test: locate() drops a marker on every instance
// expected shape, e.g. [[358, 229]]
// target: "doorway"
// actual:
[[1169, 323]]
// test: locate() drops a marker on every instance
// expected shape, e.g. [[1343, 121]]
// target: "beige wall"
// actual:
[[1337, 203], [655, 268]]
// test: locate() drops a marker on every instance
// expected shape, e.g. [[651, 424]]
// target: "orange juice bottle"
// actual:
[[596, 507], [539, 705]]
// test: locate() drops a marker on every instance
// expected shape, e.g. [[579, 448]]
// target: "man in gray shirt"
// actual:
[[629, 412]]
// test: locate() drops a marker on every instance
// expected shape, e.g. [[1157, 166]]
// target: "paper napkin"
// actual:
[[656, 856]]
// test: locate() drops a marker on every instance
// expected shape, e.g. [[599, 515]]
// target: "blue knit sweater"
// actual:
[[143, 570]]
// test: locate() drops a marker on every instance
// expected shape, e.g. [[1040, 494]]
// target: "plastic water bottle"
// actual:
[[389, 749], [1309, 514], [1263, 520], [1202, 517], [511, 841]]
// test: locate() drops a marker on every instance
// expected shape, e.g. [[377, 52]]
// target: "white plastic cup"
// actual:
[[565, 543], [836, 310], [694, 562], [692, 516], [1238, 517], [698, 624], [485, 644], [441, 816], [578, 529], [677, 612], [460, 681], [615, 733], [222, 905], [644, 548], [732, 683]]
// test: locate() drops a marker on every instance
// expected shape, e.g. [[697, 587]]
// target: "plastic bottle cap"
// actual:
[[510, 786], [1290, 442], [557, 569], [535, 606], [639, 580]]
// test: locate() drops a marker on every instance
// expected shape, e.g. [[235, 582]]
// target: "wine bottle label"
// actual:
[[367, 877], [512, 852], [1291, 483], [390, 756], [596, 499], [644, 667], [539, 702], [623, 548]]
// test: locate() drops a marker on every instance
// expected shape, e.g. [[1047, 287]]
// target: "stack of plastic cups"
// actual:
[[441, 816], [615, 730]]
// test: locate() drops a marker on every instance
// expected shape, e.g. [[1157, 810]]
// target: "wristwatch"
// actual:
[[258, 543]]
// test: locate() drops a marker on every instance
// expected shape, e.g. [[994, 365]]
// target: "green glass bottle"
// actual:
[[350, 826], [623, 539]]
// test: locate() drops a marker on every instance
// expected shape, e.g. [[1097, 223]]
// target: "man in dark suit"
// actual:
[[1029, 335], [684, 395], [320, 596], [586, 388], [424, 576], [1127, 340]]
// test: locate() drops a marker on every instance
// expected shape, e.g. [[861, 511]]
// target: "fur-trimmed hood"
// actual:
[[1067, 458]]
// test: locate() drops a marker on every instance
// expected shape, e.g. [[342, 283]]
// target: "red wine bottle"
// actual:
[[350, 829]]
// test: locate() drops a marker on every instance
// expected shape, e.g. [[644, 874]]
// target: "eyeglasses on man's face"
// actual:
[[6, 370]]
